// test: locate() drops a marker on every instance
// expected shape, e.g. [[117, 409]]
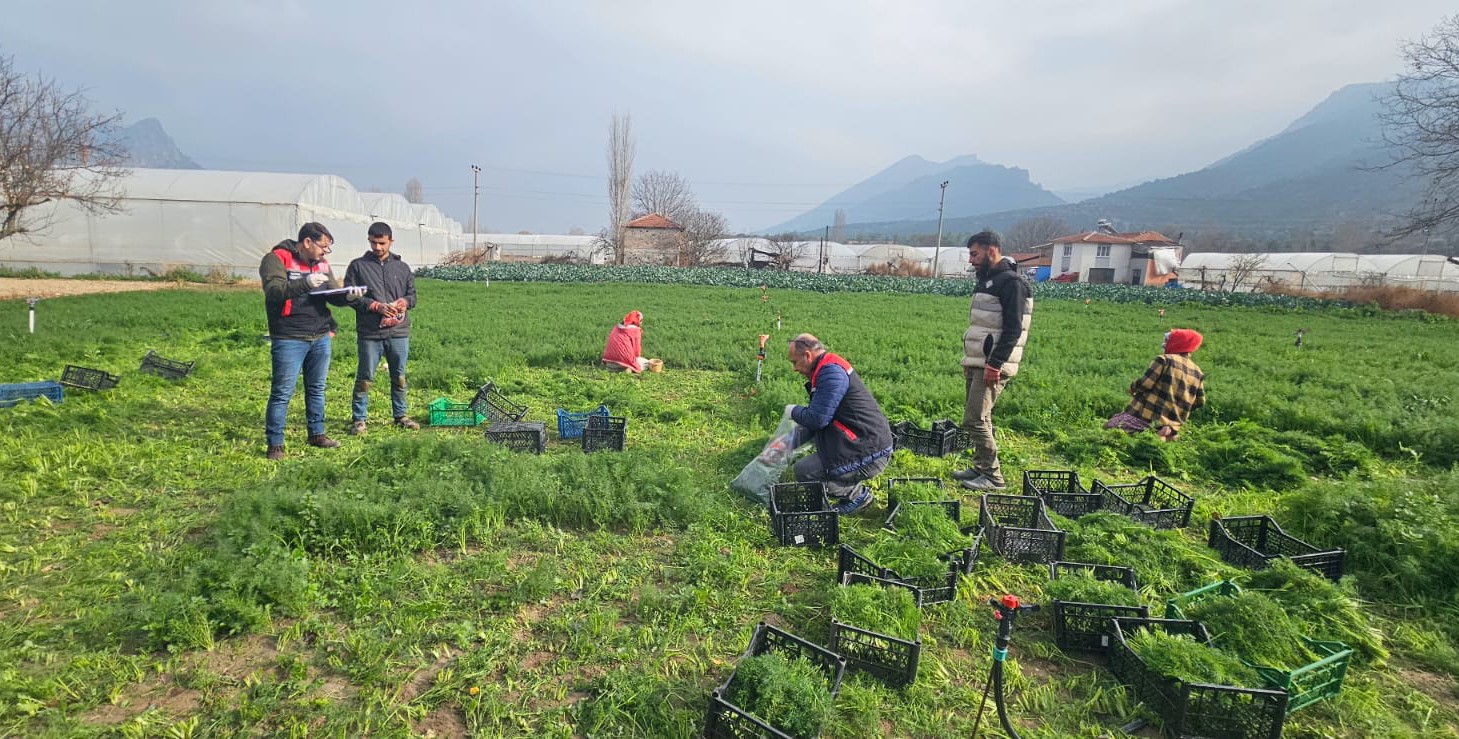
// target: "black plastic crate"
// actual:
[[886, 658], [86, 378], [11, 394], [1254, 541], [1194, 709], [1151, 501], [1085, 626], [168, 369], [965, 555], [728, 721], [1018, 528], [496, 406], [892, 483], [520, 436], [859, 578], [1061, 491], [800, 515], [934, 589], [604, 432], [570, 423], [960, 441], [929, 443]]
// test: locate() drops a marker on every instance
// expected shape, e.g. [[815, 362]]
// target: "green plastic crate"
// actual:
[[446, 412], [1305, 685]]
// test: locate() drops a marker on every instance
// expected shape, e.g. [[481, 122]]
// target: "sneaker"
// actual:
[[406, 422], [358, 428], [984, 483], [859, 499], [967, 474], [275, 452], [322, 441]]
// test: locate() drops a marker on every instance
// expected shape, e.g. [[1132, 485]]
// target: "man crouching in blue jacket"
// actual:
[[852, 436]]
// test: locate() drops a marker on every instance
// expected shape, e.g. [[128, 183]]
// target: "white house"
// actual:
[[1106, 256]]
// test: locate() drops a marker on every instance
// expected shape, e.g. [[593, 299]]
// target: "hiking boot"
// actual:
[[407, 423], [322, 441], [859, 499], [984, 483], [967, 474], [275, 452], [358, 428]]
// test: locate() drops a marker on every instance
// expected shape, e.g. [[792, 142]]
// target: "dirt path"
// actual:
[[12, 288]]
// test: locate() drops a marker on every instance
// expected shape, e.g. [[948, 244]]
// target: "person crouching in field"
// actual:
[[1172, 387], [625, 345]]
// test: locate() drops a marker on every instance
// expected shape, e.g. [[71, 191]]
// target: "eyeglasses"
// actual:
[[324, 247]]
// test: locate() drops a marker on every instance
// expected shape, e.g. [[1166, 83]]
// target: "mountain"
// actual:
[[149, 146], [1315, 175], [910, 188]]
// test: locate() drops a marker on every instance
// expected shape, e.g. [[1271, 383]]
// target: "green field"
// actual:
[[158, 577]]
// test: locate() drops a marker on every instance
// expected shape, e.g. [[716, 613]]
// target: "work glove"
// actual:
[[393, 320], [400, 305], [991, 375], [355, 292], [316, 280], [379, 307]]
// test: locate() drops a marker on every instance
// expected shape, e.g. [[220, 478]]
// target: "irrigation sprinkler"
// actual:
[[31, 302], [760, 358], [1005, 611]]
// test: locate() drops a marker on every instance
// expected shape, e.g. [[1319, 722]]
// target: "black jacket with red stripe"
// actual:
[[858, 431], [292, 312]]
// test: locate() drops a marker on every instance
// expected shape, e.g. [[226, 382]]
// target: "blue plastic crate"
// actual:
[[12, 394], [570, 424]]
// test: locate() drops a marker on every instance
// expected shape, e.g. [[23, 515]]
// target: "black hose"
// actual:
[[998, 699]]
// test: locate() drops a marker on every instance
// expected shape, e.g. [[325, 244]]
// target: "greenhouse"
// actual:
[[208, 220], [541, 247], [1317, 271]]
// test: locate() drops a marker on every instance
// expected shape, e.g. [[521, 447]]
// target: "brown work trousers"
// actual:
[[978, 420]]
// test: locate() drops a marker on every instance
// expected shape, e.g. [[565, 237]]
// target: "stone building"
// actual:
[[653, 239]]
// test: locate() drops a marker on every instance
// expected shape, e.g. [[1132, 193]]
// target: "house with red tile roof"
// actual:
[[1105, 255], [654, 239]]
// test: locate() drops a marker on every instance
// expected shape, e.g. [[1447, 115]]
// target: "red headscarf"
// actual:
[[634, 318], [1182, 341]]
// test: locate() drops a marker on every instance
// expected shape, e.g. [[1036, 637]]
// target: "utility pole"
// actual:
[[937, 250], [475, 194]]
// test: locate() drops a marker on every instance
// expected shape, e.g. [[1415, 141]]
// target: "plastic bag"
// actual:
[[755, 480]]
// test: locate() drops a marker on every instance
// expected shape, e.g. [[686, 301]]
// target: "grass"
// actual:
[[159, 577]]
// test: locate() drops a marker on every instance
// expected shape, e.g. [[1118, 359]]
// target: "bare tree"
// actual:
[[663, 193], [1035, 231], [702, 233], [53, 147], [838, 226], [1421, 122], [784, 249], [414, 191], [1241, 269], [620, 179]]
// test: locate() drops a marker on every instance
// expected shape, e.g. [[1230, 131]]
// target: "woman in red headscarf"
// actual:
[[625, 345], [1171, 388]]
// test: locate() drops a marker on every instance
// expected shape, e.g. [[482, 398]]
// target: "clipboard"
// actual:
[[330, 291]]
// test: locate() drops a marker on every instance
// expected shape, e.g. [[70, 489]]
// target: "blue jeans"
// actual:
[[396, 351], [289, 356]]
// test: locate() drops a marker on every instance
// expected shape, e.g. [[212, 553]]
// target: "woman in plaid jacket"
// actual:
[[1171, 388]]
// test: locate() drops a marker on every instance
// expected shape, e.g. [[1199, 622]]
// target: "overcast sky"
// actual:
[[767, 107]]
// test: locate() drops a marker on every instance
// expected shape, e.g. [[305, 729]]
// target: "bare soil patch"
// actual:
[[13, 288]]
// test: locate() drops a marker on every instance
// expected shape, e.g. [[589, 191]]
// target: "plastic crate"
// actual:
[[446, 412], [966, 555], [927, 590], [886, 658], [86, 378], [960, 441], [167, 369], [570, 423], [800, 515], [604, 432], [1193, 709], [519, 436], [1305, 685], [1151, 501], [932, 443], [1018, 528], [497, 408], [892, 483], [1254, 541], [858, 578], [1085, 626], [12, 394], [728, 721], [1062, 492]]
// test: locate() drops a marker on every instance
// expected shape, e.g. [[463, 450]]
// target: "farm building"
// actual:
[[1317, 271], [206, 220], [541, 248]]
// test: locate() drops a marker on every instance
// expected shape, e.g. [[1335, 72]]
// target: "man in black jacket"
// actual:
[[295, 280], [382, 324], [853, 438]]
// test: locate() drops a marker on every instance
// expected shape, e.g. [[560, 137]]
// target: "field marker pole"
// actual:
[[32, 302], [760, 359]]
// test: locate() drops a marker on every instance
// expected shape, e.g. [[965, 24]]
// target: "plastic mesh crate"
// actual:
[[1151, 501], [1193, 709], [858, 578], [13, 394], [168, 369], [960, 441], [495, 406], [86, 378], [1085, 626], [604, 432], [728, 721], [446, 412], [886, 658], [801, 517], [931, 443], [1061, 491], [520, 436], [1254, 541], [570, 423], [893, 483], [935, 589], [965, 555], [1018, 528]]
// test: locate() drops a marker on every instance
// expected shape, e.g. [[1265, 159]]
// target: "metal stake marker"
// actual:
[[32, 302], [760, 359]]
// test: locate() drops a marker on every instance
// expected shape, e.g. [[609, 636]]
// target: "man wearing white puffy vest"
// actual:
[[998, 323]]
